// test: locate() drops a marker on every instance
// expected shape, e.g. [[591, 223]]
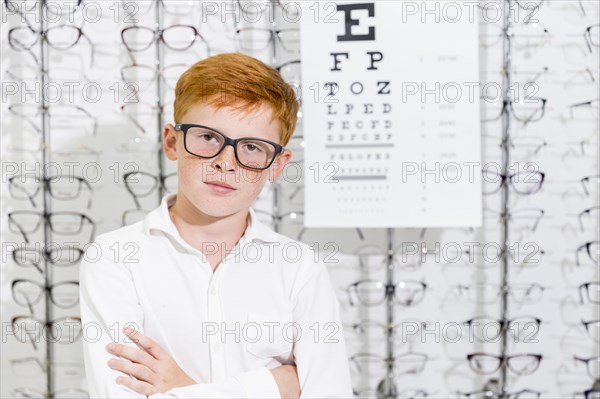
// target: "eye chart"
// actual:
[[391, 114]]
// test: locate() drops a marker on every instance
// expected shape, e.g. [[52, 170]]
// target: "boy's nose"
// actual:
[[225, 161]]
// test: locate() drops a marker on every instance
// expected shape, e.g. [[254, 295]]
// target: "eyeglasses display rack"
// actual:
[[47, 199], [159, 97], [387, 387], [273, 4], [504, 244]]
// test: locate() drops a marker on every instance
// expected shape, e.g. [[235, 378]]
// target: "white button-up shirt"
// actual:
[[270, 302]]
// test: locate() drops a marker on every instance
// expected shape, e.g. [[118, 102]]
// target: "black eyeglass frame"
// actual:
[[184, 127], [47, 217], [506, 359], [158, 36]]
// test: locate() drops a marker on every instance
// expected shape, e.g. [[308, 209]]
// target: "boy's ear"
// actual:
[[279, 164], [170, 142]]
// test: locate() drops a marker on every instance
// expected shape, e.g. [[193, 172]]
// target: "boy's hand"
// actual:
[[286, 377], [154, 368], [156, 371]]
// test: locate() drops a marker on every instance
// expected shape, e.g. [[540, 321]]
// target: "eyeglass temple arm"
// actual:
[[21, 231]]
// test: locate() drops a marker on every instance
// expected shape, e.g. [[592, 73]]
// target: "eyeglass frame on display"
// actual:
[[502, 360], [46, 253], [43, 35], [389, 290], [47, 181], [47, 217], [43, 289], [159, 36]]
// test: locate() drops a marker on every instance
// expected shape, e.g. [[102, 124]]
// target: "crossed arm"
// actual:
[[322, 368], [156, 371]]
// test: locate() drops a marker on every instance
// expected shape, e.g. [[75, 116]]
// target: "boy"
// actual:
[[220, 304]]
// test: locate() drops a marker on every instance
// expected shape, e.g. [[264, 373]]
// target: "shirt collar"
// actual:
[[159, 219]]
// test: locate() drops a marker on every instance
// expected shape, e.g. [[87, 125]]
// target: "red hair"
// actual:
[[239, 81]]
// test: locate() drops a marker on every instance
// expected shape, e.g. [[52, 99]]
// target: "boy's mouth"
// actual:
[[220, 187]]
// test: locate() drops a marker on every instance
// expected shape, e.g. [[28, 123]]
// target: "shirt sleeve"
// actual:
[[258, 383], [108, 302], [320, 351]]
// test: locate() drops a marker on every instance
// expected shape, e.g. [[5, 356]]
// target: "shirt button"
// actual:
[[216, 347], [213, 291]]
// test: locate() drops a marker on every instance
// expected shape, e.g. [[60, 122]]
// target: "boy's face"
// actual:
[[195, 174]]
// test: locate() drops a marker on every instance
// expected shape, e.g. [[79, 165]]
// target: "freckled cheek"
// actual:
[[192, 170]]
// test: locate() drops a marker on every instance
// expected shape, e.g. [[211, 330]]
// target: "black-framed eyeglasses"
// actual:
[[526, 182], [27, 292], [64, 330], [530, 109], [175, 37], [591, 291], [592, 365], [521, 364], [488, 329], [61, 256], [63, 187], [250, 152], [68, 223], [141, 184], [375, 292]]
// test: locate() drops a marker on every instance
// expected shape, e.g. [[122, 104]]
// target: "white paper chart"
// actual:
[[391, 116]]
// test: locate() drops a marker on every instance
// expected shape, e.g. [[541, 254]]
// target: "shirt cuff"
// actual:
[[259, 383]]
